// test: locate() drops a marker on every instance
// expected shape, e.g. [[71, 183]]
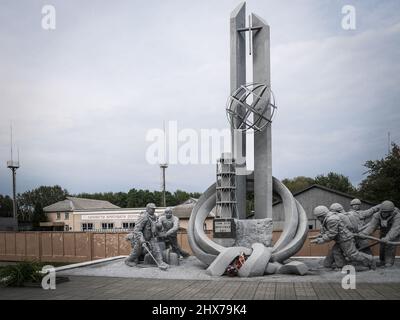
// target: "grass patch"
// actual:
[[26, 273], [18, 274]]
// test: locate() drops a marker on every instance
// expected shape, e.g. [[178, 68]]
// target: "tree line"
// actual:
[[31, 203], [382, 182]]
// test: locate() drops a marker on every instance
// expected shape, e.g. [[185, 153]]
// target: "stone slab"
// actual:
[[251, 231], [294, 267]]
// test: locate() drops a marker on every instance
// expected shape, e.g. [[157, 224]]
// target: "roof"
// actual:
[[184, 210], [329, 190], [73, 203], [90, 206]]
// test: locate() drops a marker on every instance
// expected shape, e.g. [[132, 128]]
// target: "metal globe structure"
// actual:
[[251, 106]]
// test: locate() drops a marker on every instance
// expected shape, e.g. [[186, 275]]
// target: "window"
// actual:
[[66, 216], [58, 216], [107, 225], [66, 227], [128, 225], [87, 226]]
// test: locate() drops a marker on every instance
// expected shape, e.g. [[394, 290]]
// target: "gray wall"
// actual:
[[309, 200]]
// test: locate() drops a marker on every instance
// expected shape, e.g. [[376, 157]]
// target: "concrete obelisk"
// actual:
[[262, 139], [259, 35], [238, 78]]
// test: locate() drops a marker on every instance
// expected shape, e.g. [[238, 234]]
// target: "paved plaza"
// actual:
[[112, 279], [192, 269], [84, 287]]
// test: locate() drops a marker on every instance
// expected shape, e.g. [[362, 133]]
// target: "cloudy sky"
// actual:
[[83, 97]]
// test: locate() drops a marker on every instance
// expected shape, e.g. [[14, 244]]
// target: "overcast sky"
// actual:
[[82, 97]]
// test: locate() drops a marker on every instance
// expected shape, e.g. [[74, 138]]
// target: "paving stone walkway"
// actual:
[[83, 287]]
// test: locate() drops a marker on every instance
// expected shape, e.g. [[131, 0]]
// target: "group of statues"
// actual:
[[149, 232], [351, 231]]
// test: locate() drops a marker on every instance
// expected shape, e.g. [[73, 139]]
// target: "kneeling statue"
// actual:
[[333, 228], [145, 235], [170, 225]]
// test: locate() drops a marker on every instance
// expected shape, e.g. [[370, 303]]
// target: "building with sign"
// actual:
[[79, 214]]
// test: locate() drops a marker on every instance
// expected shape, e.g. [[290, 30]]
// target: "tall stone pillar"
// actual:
[[262, 139], [238, 78]]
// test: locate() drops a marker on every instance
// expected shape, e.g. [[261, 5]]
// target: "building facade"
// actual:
[[79, 214], [311, 197]]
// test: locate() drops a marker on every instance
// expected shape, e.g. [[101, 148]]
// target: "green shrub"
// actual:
[[20, 273]]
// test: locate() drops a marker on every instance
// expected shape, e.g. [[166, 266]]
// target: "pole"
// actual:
[[164, 199], [369, 246], [14, 174], [161, 266], [392, 243]]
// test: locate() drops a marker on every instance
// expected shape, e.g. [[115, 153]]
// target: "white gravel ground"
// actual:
[[193, 269]]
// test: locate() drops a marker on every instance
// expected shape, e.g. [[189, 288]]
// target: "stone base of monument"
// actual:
[[251, 231], [193, 269], [293, 267], [168, 256], [148, 260], [225, 242], [272, 268], [253, 238], [254, 266], [255, 235]]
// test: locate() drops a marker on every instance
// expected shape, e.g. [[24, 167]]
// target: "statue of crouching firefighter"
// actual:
[[333, 228], [144, 238]]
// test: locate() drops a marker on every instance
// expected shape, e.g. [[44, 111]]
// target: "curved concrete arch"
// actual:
[[297, 242], [290, 242], [196, 238], [291, 214], [255, 265], [225, 258]]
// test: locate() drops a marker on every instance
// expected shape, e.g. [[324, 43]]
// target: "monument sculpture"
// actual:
[[145, 235], [352, 234], [169, 225], [250, 106], [388, 221], [334, 228], [359, 219], [241, 245]]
